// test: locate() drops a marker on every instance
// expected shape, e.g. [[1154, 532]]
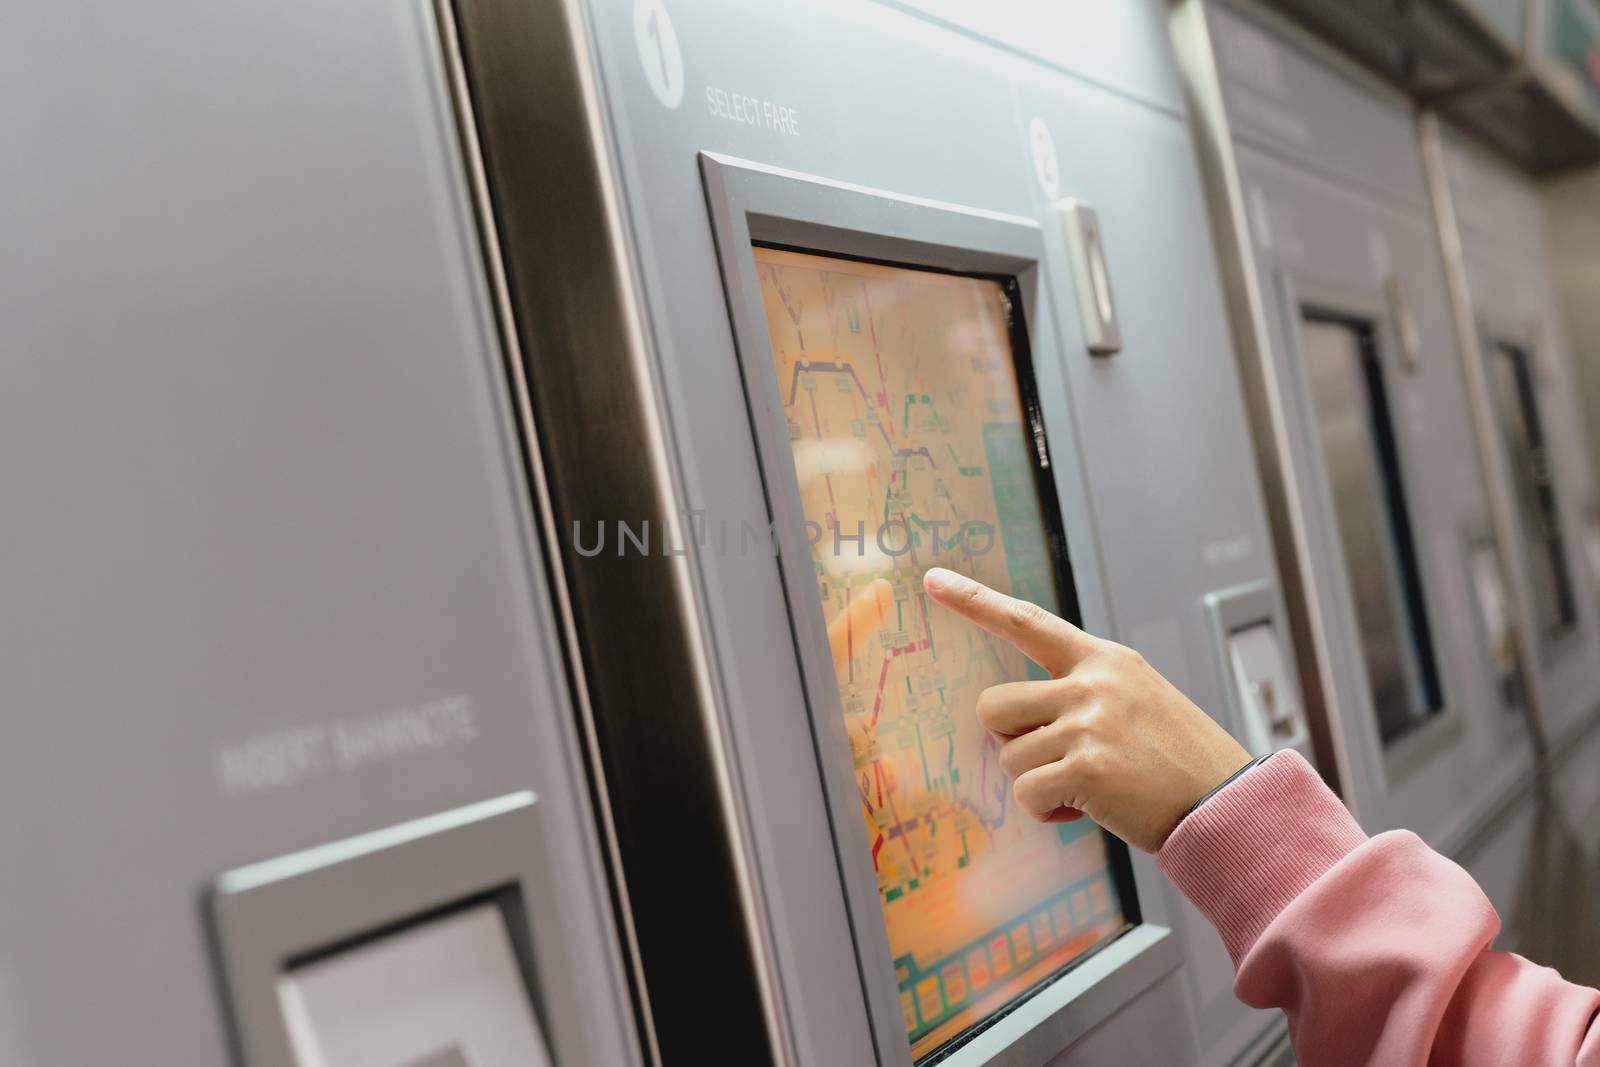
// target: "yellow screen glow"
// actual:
[[911, 449]]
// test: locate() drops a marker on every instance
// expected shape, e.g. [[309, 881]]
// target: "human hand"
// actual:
[[1105, 734]]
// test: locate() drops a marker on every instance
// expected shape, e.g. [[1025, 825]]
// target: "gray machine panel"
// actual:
[[1327, 241], [269, 577], [930, 115], [1281, 99], [1507, 269], [1166, 405], [1123, 47]]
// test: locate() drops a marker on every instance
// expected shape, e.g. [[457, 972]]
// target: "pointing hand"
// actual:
[[1105, 734]]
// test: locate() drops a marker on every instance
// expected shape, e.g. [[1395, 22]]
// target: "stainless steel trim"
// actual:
[[581, 364], [1268, 422], [1484, 429], [539, 495]]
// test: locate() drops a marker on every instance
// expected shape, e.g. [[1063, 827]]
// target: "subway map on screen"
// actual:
[[912, 449]]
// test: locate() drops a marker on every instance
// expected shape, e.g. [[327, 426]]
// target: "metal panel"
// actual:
[[1123, 47], [578, 335], [269, 576], [1502, 293], [1281, 98]]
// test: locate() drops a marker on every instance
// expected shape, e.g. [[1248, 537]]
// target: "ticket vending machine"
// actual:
[[1508, 303], [802, 306], [291, 774], [1343, 314]]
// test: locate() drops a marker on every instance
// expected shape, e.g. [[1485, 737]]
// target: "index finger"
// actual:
[[1053, 643]]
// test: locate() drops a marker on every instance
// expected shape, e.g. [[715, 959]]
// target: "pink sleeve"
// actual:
[[1377, 949]]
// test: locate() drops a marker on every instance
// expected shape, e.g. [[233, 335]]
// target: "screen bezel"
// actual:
[[754, 204], [1396, 764], [1406, 574], [1065, 587]]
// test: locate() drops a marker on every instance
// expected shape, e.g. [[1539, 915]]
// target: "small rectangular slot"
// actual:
[[443, 992]]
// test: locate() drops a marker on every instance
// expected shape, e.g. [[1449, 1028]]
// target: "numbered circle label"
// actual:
[[658, 51]]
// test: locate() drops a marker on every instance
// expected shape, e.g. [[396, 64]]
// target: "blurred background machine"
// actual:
[[1411, 139], [470, 467]]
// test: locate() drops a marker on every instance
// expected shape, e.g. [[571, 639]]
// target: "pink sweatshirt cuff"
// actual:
[[1243, 855]]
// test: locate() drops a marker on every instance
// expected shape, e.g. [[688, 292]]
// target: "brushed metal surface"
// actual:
[[1269, 428], [636, 642]]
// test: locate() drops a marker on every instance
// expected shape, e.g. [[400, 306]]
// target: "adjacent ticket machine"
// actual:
[[1346, 337], [1535, 436]]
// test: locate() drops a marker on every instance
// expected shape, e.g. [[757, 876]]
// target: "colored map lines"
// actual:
[[904, 416], [987, 968]]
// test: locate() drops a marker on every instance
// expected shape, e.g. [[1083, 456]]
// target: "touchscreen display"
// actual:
[[903, 391]]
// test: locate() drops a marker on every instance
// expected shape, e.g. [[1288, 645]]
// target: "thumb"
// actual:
[[1053, 643]]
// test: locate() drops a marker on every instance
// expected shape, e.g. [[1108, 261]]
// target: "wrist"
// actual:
[[1235, 776], [1256, 845]]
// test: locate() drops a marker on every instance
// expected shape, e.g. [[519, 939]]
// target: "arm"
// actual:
[[1377, 949]]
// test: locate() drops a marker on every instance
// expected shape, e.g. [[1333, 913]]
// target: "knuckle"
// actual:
[[1008, 759], [1030, 798], [1091, 767], [1084, 766], [1024, 614], [987, 708], [972, 594], [1095, 687], [1093, 720], [1131, 658], [1063, 733], [1074, 688]]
